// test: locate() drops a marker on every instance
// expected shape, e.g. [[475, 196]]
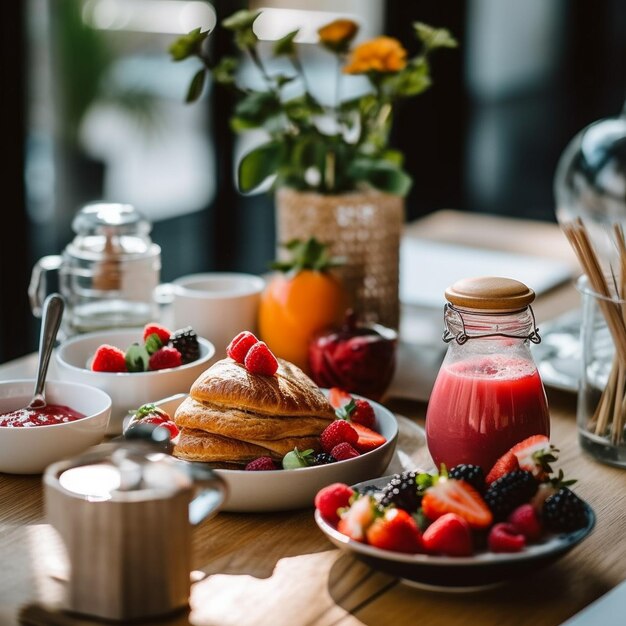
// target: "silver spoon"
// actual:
[[52, 313]]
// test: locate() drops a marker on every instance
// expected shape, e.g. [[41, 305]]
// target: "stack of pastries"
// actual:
[[233, 416]]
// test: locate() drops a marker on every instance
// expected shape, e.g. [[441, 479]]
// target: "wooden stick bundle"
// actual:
[[610, 414]]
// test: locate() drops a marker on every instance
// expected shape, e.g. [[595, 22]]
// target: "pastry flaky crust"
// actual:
[[245, 425], [198, 445], [290, 392], [232, 417]]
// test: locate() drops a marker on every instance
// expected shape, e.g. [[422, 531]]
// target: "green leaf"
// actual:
[[382, 175], [241, 19], [411, 81], [196, 86], [153, 343], [309, 255], [224, 72], [259, 164], [344, 412], [257, 107], [137, 358], [188, 45], [393, 156], [282, 79], [433, 38], [285, 46]]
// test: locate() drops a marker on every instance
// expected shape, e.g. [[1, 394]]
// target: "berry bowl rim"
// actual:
[[503, 564], [207, 352]]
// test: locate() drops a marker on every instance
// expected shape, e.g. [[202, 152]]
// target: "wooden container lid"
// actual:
[[490, 293]]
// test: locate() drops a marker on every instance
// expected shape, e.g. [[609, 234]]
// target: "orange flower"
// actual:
[[383, 54], [338, 34]]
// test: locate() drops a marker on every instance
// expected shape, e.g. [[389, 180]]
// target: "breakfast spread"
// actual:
[[48, 415], [160, 349], [250, 406], [459, 512]]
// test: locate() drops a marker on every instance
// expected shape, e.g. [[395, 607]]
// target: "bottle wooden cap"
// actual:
[[490, 293]]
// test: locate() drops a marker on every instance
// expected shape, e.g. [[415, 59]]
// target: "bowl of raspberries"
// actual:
[[135, 365], [460, 529]]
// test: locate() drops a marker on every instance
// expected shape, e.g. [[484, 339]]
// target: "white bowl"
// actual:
[[283, 490], [31, 450], [128, 391]]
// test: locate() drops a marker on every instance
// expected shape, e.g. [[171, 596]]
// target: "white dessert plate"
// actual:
[[457, 574], [283, 490]]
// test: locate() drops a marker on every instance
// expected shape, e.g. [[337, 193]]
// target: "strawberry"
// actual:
[[447, 495], [338, 432], [354, 521], [169, 424], [156, 329], [344, 451], [368, 439], [331, 498], [338, 397], [535, 454], [526, 521], [396, 530], [239, 346], [108, 359], [260, 360], [449, 535], [165, 357], [504, 537], [261, 464], [506, 464], [357, 411]]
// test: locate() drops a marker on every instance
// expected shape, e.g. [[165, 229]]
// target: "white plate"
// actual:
[[457, 574], [284, 490]]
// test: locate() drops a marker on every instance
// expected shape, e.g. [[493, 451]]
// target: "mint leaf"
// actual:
[[137, 358], [153, 343], [344, 412]]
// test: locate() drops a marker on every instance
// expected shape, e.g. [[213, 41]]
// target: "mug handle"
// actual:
[[37, 289], [209, 494]]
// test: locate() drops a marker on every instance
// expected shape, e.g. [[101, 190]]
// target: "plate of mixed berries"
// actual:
[[460, 529]]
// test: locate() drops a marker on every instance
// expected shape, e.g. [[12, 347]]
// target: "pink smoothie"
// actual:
[[481, 407]]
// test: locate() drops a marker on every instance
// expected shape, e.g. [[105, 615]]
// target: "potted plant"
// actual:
[[335, 175]]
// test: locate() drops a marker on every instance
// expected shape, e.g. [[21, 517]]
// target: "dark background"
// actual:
[[448, 136]]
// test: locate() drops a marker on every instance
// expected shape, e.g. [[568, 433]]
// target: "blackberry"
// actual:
[[509, 491], [369, 489], [322, 458], [401, 490], [564, 511], [472, 474], [185, 340]]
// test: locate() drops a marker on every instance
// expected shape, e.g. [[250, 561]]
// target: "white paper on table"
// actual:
[[427, 268], [608, 610]]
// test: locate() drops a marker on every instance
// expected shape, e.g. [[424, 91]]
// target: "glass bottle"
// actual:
[[488, 394]]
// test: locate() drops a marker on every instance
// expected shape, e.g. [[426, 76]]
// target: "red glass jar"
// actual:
[[488, 394]]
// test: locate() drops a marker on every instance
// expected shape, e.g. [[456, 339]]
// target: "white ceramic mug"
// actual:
[[217, 305]]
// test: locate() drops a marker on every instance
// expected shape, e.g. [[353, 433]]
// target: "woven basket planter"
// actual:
[[365, 229]]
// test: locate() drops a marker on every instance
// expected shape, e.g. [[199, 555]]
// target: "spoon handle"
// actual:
[[51, 320]]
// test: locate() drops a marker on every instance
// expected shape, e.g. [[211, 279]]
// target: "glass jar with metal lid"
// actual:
[[488, 394], [107, 273]]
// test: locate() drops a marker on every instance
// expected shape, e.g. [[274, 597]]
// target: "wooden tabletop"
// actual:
[[274, 569]]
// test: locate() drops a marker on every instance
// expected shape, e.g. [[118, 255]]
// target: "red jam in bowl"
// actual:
[[47, 416]]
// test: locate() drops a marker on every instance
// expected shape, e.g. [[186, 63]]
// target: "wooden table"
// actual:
[[274, 569]]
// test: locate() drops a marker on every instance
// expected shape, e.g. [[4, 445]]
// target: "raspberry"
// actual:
[[331, 498], [363, 413], [344, 451], [262, 464], [525, 519], [165, 357], [156, 329], [504, 537], [338, 432], [108, 359], [260, 360], [239, 346]]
